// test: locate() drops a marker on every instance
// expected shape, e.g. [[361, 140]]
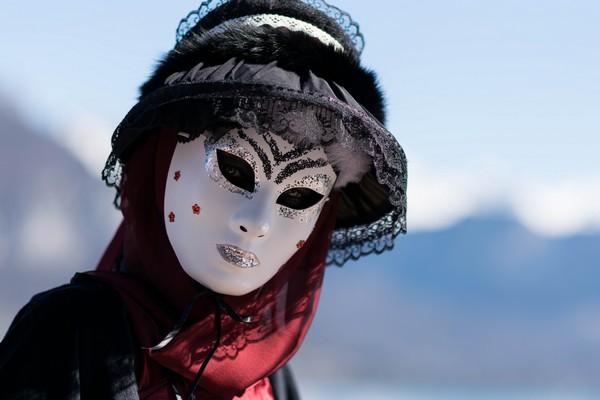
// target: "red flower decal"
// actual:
[[177, 175], [300, 244], [171, 217], [196, 209]]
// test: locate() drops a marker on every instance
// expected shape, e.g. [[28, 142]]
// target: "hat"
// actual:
[[289, 67]]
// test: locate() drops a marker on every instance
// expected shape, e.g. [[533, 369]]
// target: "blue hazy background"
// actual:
[[492, 294]]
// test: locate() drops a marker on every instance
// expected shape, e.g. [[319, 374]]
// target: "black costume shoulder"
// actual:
[[72, 342]]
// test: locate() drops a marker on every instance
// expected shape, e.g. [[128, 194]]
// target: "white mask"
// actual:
[[238, 209]]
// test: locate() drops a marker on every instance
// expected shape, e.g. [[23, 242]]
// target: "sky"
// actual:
[[495, 103]]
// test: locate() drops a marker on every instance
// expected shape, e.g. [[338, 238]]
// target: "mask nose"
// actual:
[[259, 231], [252, 222]]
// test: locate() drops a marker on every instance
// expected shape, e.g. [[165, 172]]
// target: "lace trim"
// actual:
[[281, 21], [343, 19], [377, 237], [193, 17]]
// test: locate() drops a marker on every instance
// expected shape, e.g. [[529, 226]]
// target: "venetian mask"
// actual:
[[236, 210]]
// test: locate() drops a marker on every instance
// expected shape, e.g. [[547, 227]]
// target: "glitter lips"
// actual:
[[238, 257]]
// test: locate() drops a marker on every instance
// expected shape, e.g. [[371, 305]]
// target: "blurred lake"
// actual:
[[374, 391]]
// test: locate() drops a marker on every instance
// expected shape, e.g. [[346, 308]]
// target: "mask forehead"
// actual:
[[276, 160]]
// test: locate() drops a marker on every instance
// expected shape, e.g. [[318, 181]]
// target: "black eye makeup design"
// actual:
[[299, 198], [236, 170]]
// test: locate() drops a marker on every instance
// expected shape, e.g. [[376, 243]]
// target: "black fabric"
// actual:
[[283, 385], [73, 342], [238, 79]]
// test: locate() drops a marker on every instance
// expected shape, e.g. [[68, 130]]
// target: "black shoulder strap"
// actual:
[[283, 385]]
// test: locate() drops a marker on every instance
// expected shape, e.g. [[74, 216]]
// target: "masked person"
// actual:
[[254, 157]]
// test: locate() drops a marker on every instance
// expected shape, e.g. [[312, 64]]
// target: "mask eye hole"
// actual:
[[299, 198], [236, 170]]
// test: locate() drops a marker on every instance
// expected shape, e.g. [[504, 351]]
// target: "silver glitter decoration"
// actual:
[[238, 257], [291, 158], [321, 184], [229, 145], [294, 167]]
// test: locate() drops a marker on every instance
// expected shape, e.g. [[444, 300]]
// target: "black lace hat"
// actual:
[[290, 67]]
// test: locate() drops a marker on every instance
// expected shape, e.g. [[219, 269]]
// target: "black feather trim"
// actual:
[[294, 51], [290, 8]]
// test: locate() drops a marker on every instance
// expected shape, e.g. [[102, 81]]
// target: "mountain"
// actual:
[[483, 303], [55, 218]]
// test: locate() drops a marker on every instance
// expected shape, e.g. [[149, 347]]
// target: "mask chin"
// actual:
[[238, 209]]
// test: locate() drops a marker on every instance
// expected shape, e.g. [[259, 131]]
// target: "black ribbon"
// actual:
[[221, 307]]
